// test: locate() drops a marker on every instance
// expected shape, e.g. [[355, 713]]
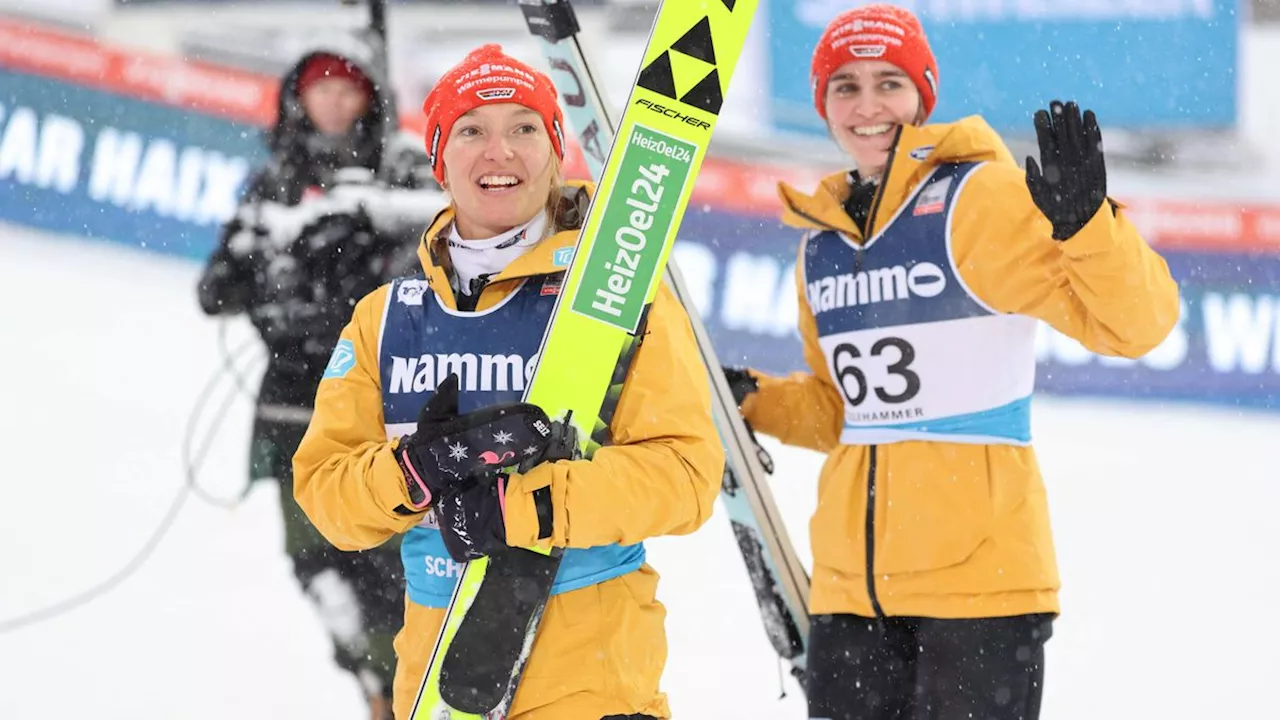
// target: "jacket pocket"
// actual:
[[934, 505], [568, 641], [635, 638], [839, 521]]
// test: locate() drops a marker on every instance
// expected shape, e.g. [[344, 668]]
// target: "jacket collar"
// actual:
[[916, 152]]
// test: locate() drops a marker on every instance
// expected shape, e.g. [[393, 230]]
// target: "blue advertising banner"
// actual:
[[1225, 348], [95, 164], [1139, 64], [78, 160]]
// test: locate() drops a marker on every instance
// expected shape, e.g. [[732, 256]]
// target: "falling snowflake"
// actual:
[[458, 451], [502, 437]]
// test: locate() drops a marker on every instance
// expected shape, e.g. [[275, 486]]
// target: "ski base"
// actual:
[[475, 676]]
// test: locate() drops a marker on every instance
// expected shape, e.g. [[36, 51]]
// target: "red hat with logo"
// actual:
[[487, 75], [331, 66], [875, 32]]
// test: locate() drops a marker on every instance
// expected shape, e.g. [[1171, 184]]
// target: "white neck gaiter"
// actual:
[[477, 259]]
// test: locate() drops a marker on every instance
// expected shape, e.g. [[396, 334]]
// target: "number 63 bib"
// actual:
[[915, 355]]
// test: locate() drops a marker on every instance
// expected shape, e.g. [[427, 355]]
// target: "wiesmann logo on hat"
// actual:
[[502, 93], [864, 25]]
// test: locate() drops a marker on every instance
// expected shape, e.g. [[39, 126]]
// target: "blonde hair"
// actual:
[[553, 197]]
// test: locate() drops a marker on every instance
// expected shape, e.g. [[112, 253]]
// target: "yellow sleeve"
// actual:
[[345, 477], [805, 408], [1104, 287], [662, 473]]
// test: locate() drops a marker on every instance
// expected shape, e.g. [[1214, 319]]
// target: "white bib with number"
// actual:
[[915, 355]]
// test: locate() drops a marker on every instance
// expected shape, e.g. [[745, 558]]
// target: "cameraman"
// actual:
[[336, 212]]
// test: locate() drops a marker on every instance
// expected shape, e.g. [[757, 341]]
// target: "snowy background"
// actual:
[[1163, 513], [1164, 519]]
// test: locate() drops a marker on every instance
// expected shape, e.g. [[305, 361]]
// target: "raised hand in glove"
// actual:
[[457, 464], [1073, 183]]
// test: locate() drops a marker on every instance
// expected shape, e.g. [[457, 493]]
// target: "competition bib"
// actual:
[[914, 354], [494, 353]]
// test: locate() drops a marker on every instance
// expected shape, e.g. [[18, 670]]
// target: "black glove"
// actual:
[[457, 464], [1073, 184], [227, 284], [448, 448], [741, 383], [472, 514], [472, 518]]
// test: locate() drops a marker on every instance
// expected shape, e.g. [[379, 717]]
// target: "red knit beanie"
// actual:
[[875, 32], [487, 75], [328, 66]]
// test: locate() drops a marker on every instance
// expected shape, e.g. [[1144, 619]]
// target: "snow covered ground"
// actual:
[[1164, 518]]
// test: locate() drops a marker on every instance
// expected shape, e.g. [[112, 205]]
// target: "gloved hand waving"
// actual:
[[1073, 183]]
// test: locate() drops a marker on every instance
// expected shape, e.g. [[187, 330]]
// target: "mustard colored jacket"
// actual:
[[957, 530]]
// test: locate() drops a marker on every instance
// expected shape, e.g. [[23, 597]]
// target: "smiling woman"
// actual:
[[447, 352], [499, 169], [866, 102], [922, 276], [496, 142]]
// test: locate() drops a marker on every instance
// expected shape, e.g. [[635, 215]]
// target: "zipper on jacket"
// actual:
[[468, 302], [871, 229], [884, 183], [871, 535]]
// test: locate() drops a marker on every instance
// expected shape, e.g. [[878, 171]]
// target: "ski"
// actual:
[[645, 186], [779, 580]]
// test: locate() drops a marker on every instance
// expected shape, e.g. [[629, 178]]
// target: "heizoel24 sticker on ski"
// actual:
[[622, 267]]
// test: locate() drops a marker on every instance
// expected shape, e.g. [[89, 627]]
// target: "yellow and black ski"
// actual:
[[778, 577]]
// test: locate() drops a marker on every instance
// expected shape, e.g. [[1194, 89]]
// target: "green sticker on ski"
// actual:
[[623, 263]]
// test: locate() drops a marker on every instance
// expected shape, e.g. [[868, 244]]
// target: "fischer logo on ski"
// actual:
[[695, 45]]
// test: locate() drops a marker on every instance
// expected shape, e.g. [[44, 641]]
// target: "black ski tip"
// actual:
[[554, 21], [485, 660]]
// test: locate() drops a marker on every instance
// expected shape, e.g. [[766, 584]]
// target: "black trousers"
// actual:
[[904, 668]]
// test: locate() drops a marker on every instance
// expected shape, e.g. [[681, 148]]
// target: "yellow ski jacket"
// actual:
[[957, 530], [660, 476]]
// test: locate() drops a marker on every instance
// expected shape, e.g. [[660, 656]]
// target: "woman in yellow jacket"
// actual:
[[439, 351], [921, 281]]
